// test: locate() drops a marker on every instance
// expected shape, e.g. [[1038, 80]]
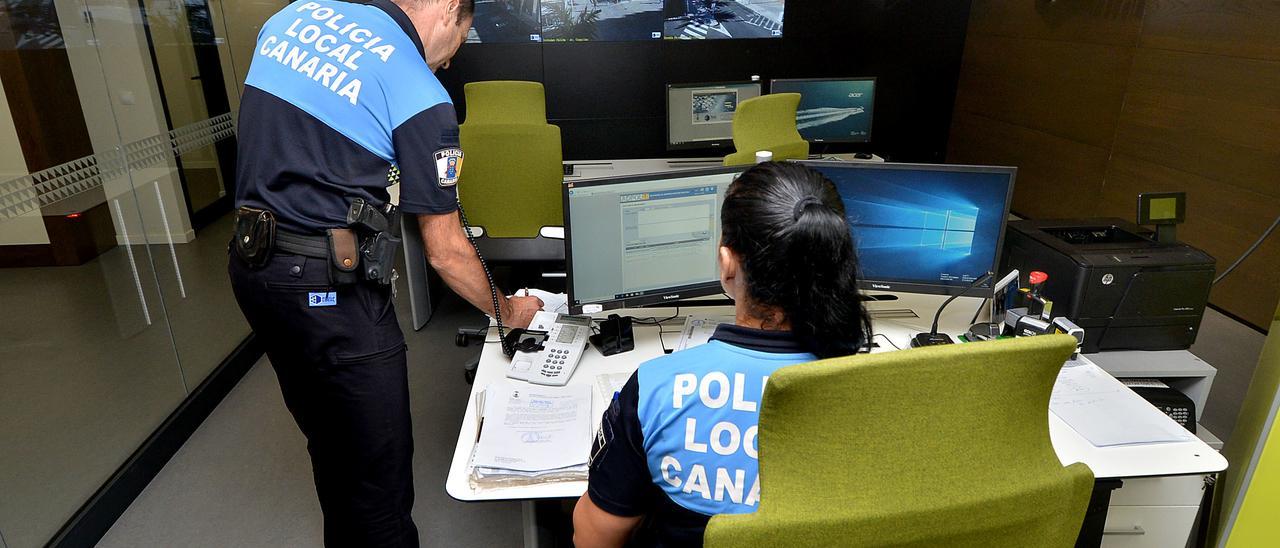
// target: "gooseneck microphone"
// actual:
[[933, 337]]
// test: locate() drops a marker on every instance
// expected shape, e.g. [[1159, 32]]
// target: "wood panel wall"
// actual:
[[41, 91], [1098, 100]]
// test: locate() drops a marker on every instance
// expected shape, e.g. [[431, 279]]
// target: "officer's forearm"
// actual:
[[452, 256]]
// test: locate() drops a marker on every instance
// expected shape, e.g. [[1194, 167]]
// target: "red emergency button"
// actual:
[[1038, 277]]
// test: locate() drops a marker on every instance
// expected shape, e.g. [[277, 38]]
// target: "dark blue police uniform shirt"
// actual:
[[339, 97], [678, 443]]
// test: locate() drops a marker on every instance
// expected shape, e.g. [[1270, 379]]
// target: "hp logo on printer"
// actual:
[[1108, 278]]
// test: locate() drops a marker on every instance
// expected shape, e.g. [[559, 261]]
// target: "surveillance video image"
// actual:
[[714, 107], [498, 21], [601, 20], [722, 19]]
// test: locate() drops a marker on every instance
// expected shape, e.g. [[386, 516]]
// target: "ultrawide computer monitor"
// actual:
[[634, 241], [701, 115], [923, 228], [832, 110]]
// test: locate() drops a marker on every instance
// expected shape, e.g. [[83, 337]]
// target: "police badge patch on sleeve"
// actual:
[[448, 166]]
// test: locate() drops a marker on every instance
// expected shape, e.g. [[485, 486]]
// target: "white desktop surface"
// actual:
[[1164, 459]]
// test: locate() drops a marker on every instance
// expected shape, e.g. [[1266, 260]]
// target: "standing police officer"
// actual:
[[341, 99]]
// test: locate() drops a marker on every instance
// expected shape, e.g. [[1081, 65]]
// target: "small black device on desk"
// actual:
[[1127, 291], [615, 337], [1168, 400]]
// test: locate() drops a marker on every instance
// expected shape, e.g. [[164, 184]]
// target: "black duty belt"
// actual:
[[365, 250], [316, 247]]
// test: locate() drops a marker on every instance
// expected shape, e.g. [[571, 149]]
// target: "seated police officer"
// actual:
[[341, 100], [678, 443]]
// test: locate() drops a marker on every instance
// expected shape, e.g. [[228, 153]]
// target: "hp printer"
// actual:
[[1127, 291]]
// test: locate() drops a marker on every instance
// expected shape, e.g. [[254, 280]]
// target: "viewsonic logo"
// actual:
[[880, 286], [670, 297]]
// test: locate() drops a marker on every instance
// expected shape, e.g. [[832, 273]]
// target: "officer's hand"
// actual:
[[522, 311]]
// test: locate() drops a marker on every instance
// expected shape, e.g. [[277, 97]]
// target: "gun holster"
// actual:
[[255, 236], [379, 230]]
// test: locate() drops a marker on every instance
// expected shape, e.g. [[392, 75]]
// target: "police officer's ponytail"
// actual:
[[787, 225]]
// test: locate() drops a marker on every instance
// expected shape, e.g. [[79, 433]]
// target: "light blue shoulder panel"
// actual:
[[349, 65]]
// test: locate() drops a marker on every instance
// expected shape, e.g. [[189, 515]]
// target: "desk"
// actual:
[[1190, 458]]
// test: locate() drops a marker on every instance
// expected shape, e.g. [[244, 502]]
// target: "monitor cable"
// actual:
[[933, 337], [886, 339], [1248, 252]]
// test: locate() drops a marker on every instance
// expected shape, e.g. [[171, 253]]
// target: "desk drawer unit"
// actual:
[[1168, 491], [1148, 526]]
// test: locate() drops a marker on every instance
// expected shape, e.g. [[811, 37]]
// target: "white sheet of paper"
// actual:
[[1107, 413], [699, 329], [551, 302], [609, 383], [534, 428]]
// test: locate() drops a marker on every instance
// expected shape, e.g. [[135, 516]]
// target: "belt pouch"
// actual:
[[344, 257], [255, 236]]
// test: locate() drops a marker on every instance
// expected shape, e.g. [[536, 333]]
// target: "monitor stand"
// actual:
[[916, 311]]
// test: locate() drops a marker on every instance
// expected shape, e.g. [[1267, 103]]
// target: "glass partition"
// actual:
[[117, 162]]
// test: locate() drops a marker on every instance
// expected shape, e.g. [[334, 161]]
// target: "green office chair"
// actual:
[[513, 168], [767, 123], [937, 446]]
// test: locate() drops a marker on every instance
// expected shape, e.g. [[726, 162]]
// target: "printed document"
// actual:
[[531, 428], [1107, 413]]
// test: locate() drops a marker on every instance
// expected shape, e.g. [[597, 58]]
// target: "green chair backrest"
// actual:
[[938, 446], [768, 123], [505, 102], [511, 178], [513, 168]]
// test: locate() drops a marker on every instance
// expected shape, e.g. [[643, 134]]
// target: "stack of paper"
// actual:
[[1106, 412], [532, 434]]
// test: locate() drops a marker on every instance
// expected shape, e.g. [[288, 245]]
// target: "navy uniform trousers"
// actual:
[[342, 371]]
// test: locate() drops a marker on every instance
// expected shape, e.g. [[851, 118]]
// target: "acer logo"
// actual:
[[880, 286]]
